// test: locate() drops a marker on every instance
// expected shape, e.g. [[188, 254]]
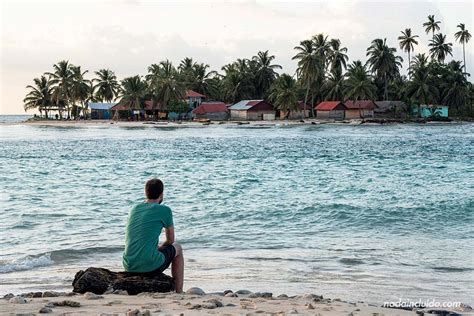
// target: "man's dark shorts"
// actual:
[[169, 251]]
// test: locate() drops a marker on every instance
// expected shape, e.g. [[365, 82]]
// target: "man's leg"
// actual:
[[177, 268]]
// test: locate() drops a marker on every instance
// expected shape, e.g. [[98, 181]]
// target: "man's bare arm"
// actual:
[[169, 237]]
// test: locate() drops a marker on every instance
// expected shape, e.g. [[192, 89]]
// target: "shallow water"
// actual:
[[357, 212]]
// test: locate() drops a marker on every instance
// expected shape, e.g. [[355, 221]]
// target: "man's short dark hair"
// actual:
[[153, 189]]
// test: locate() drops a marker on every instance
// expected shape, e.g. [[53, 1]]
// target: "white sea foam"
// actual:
[[26, 263]]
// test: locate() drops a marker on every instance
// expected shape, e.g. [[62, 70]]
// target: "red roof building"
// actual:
[[360, 109], [330, 106], [211, 110], [362, 104], [210, 107], [333, 110], [194, 94]]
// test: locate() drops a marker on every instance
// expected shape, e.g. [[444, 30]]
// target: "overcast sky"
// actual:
[[128, 36]]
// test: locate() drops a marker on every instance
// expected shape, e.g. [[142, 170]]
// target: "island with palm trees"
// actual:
[[323, 74]]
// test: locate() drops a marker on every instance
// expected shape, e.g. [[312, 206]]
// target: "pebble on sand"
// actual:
[[67, 303], [243, 292], [18, 300], [195, 291], [45, 310]]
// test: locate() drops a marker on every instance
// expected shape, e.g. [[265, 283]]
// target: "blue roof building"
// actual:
[[100, 110]]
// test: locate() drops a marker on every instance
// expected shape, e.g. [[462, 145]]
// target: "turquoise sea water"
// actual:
[[356, 212]]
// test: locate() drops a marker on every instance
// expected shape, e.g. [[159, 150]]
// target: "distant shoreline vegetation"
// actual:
[[323, 73]]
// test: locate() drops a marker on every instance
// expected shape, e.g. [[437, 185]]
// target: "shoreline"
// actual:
[[196, 302], [184, 124]]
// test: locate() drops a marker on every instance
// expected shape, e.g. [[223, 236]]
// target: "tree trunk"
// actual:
[[312, 106], [464, 57], [306, 100], [409, 64], [386, 87]]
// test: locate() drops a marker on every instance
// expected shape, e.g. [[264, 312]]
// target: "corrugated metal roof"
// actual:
[[100, 105], [210, 107], [328, 105], [363, 104], [245, 105]]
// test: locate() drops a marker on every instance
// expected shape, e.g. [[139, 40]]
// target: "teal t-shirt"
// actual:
[[145, 223]]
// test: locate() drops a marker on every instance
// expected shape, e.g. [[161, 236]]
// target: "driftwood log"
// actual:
[[99, 280]]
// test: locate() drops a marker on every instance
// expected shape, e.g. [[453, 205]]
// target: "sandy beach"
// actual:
[[65, 123], [190, 304]]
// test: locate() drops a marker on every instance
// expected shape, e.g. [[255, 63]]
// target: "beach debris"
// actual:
[[120, 292], [92, 296], [243, 292], [246, 304], [195, 291], [442, 312], [208, 305], [282, 297], [32, 294], [8, 296], [67, 303], [464, 308], [99, 280], [109, 290], [18, 300], [230, 294], [136, 312], [50, 294], [264, 294], [309, 306], [45, 310], [215, 301], [190, 305], [25, 314], [230, 305]]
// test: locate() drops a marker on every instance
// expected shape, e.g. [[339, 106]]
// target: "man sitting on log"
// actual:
[[143, 254]]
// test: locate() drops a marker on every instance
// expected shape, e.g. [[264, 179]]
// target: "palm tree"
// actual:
[[201, 80], [62, 79], [431, 25], [455, 86], [310, 66], [359, 84], [133, 92], [337, 55], [335, 85], [420, 60], [322, 47], [106, 85], [265, 71], [284, 94], [463, 36], [407, 42], [383, 62], [164, 84], [421, 89], [79, 90], [439, 48], [238, 82], [40, 96]]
